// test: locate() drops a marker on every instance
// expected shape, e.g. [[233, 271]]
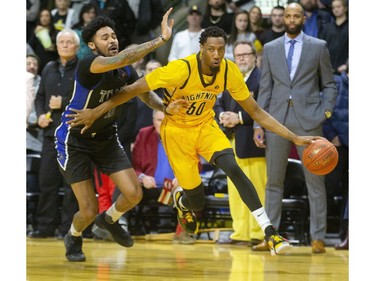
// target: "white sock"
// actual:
[[74, 232], [113, 213], [262, 218]]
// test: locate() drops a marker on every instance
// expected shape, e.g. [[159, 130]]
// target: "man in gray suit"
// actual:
[[298, 89]]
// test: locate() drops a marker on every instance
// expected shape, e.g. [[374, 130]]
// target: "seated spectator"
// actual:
[[86, 15], [216, 15], [77, 5], [152, 167], [34, 136], [186, 42], [241, 32], [32, 11], [63, 16], [235, 5], [316, 18], [43, 39], [277, 28], [256, 20]]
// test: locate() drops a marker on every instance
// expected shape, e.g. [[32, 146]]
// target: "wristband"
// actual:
[[162, 38], [240, 117]]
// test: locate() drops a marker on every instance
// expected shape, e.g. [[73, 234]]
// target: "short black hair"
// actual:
[[278, 7], [97, 23], [33, 56], [212, 31]]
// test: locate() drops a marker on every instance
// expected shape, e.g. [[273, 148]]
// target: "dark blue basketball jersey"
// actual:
[[89, 91], [92, 89]]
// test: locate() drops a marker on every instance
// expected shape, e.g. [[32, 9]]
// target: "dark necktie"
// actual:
[[290, 55]]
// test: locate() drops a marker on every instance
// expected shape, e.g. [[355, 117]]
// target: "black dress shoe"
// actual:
[[40, 234], [230, 241]]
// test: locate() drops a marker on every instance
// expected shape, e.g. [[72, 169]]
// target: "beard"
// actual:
[[245, 68], [101, 53], [215, 69], [296, 30]]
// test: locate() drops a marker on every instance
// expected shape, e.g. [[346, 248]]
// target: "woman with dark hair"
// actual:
[[87, 14], [256, 20], [241, 31], [43, 39]]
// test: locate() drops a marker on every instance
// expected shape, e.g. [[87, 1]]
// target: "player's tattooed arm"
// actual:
[[126, 57], [132, 54], [152, 100]]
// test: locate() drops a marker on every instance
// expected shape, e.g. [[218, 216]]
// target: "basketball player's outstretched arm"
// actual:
[[132, 54], [140, 88]]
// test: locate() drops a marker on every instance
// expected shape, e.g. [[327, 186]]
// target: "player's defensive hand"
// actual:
[[80, 117], [166, 25]]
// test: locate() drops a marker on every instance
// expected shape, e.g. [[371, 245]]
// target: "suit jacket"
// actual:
[[243, 134], [313, 88]]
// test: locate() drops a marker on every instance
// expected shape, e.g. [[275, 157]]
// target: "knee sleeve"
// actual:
[[194, 199]]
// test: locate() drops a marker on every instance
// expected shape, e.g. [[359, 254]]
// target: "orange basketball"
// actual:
[[320, 157]]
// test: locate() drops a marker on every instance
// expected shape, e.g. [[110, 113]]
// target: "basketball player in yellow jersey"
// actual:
[[189, 128]]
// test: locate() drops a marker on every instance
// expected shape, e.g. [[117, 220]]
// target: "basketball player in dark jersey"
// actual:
[[98, 77]]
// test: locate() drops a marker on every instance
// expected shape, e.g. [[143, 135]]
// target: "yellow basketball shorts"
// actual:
[[183, 145]]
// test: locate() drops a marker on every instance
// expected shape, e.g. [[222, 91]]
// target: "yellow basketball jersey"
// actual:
[[183, 79]]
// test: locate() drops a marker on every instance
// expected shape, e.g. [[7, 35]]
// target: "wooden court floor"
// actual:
[[163, 260]]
